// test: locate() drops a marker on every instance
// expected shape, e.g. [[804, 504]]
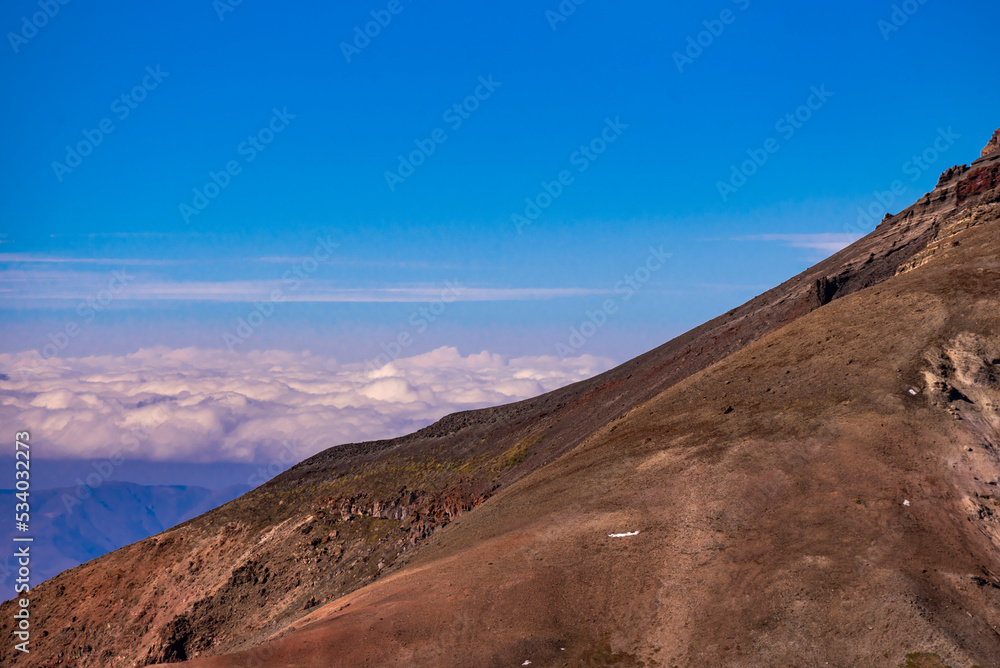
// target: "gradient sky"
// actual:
[[184, 87]]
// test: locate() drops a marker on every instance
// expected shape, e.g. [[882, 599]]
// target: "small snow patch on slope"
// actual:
[[623, 535]]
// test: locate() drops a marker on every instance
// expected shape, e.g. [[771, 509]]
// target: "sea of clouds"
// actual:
[[201, 405]]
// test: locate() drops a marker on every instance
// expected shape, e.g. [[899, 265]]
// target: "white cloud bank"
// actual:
[[202, 405]]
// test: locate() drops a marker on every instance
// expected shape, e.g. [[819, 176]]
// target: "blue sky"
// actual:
[[555, 85]]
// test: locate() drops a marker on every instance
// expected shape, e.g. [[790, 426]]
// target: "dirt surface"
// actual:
[[764, 458]]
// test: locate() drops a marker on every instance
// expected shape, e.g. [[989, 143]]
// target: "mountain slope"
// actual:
[[796, 505], [69, 530], [534, 487]]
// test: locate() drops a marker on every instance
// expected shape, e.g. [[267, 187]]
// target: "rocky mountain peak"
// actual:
[[993, 146]]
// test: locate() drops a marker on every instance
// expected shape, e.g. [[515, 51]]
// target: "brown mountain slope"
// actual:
[[357, 514], [796, 503]]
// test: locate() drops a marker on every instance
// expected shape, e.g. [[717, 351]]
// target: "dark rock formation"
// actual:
[[951, 173]]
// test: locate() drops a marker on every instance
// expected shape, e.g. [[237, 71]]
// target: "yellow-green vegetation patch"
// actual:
[[517, 454], [473, 463]]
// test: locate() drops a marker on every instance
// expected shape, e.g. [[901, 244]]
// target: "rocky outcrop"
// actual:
[[951, 173], [346, 541], [424, 512], [993, 146], [966, 197], [983, 179], [826, 289], [964, 379]]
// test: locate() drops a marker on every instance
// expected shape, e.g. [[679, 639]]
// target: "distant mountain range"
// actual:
[[69, 531]]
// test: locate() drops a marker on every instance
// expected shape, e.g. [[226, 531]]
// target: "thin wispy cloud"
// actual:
[[37, 258], [41, 258], [111, 235], [733, 287], [828, 242], [25, 287], [399, 264]]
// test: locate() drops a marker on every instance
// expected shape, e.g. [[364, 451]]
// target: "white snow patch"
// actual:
[[906, 502], [623, 535]]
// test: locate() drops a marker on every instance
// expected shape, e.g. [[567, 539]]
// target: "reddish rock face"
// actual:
[[993, 146], [979, 181]]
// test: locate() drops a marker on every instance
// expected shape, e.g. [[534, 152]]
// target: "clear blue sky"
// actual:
[[324, 172]]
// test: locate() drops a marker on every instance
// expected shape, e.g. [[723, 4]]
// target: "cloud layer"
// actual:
[[202, 405]]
